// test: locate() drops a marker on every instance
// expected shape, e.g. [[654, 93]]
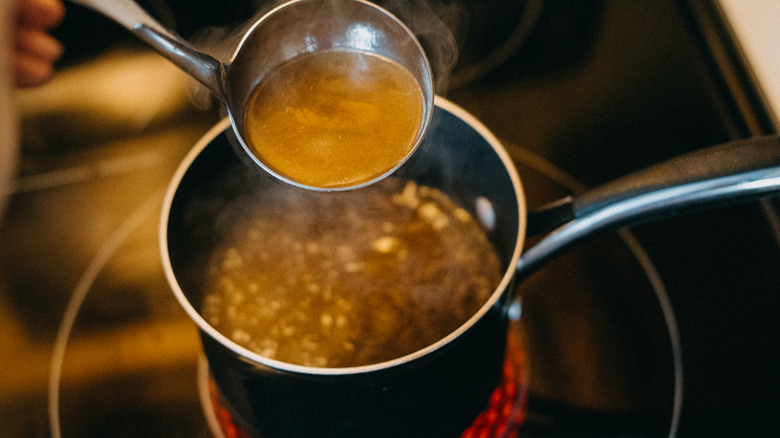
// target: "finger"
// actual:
[[31, 71], [38, 43], [40, 13]]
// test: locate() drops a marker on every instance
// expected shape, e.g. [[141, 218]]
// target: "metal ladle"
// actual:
[[292, 29]]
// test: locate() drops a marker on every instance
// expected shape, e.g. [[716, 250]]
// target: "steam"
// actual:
[[221, 43], [431, 22]]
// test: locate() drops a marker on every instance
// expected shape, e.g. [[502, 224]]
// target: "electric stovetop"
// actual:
[[664, 329]]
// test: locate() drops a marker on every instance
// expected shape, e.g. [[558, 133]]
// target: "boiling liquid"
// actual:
[[353, 279], [335, 119]]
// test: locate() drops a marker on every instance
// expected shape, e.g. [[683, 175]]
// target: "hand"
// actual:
[[35, 50]]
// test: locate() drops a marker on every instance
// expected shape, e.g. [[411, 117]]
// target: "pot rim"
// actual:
[[494, 300]]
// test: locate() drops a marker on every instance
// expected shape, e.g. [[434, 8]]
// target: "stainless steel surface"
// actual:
[[598, 89], [740, 171], [209, 71], [291, 29], [303, 27]]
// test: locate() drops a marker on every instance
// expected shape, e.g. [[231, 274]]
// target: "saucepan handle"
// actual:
[[737, 171]]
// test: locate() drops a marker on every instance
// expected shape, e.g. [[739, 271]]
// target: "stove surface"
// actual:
[[95, 344]]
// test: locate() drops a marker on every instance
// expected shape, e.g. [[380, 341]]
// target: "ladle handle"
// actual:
[[204, 68], [737, 171]]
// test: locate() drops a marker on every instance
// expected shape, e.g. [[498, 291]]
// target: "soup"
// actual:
[[335, 118], [354, 278]]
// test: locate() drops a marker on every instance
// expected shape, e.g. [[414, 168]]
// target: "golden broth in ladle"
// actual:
[[335, 119]]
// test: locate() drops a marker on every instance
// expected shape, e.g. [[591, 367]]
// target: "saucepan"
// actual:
[[437, 390]]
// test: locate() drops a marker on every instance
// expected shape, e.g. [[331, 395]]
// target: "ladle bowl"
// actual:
[[292, 29]]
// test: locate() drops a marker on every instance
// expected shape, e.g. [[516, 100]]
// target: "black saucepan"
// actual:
[[439, 390]]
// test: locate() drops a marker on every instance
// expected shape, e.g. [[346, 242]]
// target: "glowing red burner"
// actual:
[[501, 418], [506, 408]]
